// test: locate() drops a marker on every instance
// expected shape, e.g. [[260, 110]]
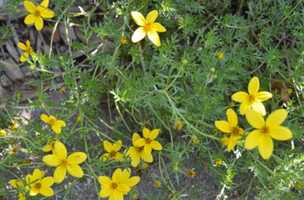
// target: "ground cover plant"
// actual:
[[126, 90]]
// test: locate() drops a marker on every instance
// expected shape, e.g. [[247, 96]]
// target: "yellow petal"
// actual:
[[75, 170], [116, 175], [60, 150], [154, 134], [44, 118], [59, 174], [118, 156], [240, 97], [48, 148], [259, 107], [36, 175], [39, 23], [146, 132], [30, 19], [239, 136], [254, 118], [29, 6], [117, 195], [156, 145], [105, 192], [140, 142], [132, 181], [52, 160], [34, 191], [138, 18], [45, 3], [280, 133], [158, 27], [22, 58], [56, 129], [47, 182], [253, 139], [266, 146], [151, 17], [225, 140], [244, 106], [135, 137], [263, 96], [276, 118], [46, 191], [232, 117], [77, 158], [231, 144], [60, 123], [135, 160], [125, 174], [123, 188], [154, 37], [223, 126], [16, 183], [47, 13], [117, 145], [254, 86], [28, 44], [146, 158], [105, 157], [104, 181], [108, 146], [22, 46], [147, 149]]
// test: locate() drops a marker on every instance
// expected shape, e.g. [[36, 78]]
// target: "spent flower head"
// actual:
[[65, 163], [266, 131], [37, 13], [148, 27], [231, 127]]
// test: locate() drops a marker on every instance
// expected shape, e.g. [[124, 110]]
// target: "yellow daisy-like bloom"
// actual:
[[36, 14], [118, 186], [178, 125], [148, 27], [266, 131], [55, 124], [64, 163], [137, 152], [41, 185], [2, 132], [191, 173], [218, 161], [28, 50], [123, 40], [16, 183], [254, 99], [50, 146], [219, 56], [230, 127], [79, 119], [112, 150], [148, 141]]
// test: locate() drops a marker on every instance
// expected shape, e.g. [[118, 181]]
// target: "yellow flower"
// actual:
[[220, 56], [118, 186], [157, 184], [148, 27], [62, 90], [13, 127], [112, 150], [191, 173], [55, 124], [266, 131], [299, 185], [78, 119], [70, 163], [39, 185], [289, 91], [123, 40], [50, 146], [36, 14], [254, 99], [195, 139], [2, 132], [28, 50], [218, 161], [149, 143], [178, 125], [16, 183], [230, 127], [137, 152]]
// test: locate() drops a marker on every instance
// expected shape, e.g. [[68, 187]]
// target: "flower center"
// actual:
[[251, 98], [114, 186], [139, 149], [148, 140], [64, 163], [235, 131], [53, 145], [113, 153], [148, 26], [37, 186], [37, 13], [265, 130], [52, 122]]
